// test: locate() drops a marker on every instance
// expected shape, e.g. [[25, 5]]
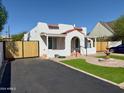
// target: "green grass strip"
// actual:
[[111, 73]]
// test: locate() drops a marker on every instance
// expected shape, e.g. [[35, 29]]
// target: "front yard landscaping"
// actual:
[[111, 73], [113, 56]]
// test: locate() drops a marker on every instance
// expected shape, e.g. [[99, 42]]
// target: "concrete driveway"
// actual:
[[44, 76]]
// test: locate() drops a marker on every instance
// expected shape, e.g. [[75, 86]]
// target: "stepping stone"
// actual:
[[101, 59]]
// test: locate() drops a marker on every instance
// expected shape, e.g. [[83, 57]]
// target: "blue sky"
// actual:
[[23, 15]]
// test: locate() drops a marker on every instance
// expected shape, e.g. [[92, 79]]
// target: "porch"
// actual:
[[64, 45], [61, 44], [55, 44]]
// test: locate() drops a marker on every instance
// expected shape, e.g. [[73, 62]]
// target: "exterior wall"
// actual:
[[62, 28], [52, 53], [34, 34], [65, 27], [1, 53], [100, 31], [89, 51], [92, 49], [84, 30]]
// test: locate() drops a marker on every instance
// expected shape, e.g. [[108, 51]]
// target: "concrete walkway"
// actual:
[[107, 63], [93, 60]]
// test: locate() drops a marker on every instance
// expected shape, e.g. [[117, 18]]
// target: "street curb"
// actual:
[[87, 73], [121, 85]]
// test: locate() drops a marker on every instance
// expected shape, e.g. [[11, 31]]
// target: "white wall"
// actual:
[[89, 51], [65, 27], [114, 43], [52, 53], [84, 30], [35, 35], [1, 53]]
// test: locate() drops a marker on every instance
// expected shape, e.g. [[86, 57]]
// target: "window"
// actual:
[[52, 43], [56, 43]]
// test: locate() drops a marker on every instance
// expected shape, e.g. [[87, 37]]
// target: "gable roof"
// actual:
[[102, 29], [108, 25]]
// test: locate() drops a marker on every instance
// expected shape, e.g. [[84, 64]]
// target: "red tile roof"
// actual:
[[75, 29]]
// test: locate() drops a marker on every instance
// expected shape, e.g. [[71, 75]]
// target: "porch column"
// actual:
[[47, 42], [95, 42]]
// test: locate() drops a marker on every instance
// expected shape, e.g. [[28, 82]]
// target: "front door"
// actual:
[[75, 46]]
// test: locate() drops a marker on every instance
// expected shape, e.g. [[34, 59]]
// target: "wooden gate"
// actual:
[[101, 46], [21, 49]]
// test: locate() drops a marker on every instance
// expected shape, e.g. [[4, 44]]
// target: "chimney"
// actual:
[[74, 25]]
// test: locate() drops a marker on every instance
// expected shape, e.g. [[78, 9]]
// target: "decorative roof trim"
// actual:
[[71, 30]]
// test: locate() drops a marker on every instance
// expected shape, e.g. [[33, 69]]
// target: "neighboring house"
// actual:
[[6, 37], [61, 39], [104, 30]]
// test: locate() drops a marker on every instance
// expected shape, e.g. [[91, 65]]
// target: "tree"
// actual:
[[3, 16], [18, 37], [118, 27], [1, 38]]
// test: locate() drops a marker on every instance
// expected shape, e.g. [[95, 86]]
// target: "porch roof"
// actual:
[[90, 36], [53, 35]]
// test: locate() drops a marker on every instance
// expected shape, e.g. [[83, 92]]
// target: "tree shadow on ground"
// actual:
[[5, 84]]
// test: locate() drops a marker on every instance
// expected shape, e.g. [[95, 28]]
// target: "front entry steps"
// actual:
[[75, 54]]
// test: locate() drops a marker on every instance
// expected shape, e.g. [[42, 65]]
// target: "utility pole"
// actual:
[[6, 34], [86, 45], [9, 32]]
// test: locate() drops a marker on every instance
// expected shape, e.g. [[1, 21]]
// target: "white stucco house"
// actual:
[[60, 39]]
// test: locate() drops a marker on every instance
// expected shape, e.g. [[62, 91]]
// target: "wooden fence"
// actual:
[[21, 49], [101, 46]]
